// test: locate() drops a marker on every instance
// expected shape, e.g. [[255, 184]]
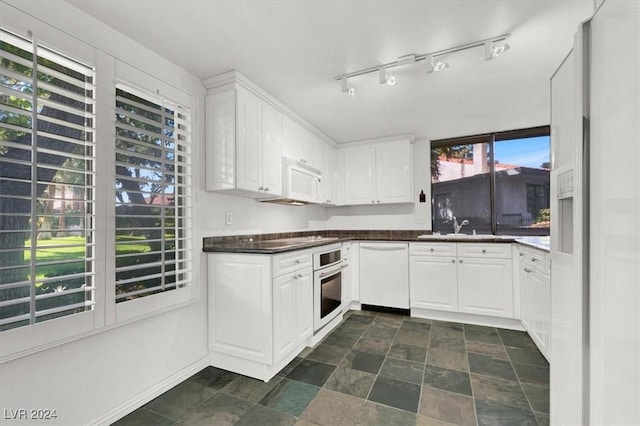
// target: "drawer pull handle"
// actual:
[[527, 270], [484, 250], [297, 260], [534, 259], [522, 254], [431, 249], [454, 261], [460, 260]]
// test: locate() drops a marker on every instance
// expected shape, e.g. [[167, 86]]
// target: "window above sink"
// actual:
[[498, 183]]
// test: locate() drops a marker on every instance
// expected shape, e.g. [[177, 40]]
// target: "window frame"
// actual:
[[490, 139], [143, 84], [23, 341]]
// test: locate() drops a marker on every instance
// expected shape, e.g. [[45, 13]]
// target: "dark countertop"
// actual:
[[289, 241]]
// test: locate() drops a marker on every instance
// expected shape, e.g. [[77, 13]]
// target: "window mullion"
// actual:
[[162, 191], [34, 182], [492, 184]]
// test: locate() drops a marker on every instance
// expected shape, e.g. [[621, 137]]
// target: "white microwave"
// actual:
[[301, 184]]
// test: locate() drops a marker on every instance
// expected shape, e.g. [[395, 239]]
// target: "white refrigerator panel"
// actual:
[[615, 215], [566, 346]]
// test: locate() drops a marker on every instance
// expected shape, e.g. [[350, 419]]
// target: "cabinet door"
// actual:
[[248, 140], [359, 168], [545, 309], [220, 137], [541, 311], [328, 174], [393, 172], [485, 286], [312, 154], [384, 274], [304, 305], [346, 277], [284, 315], [526, 297], [433, 282], [298, 143], [240, 305], [271, 154]]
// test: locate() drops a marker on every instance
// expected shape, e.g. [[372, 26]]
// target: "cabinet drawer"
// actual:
[[289, 262], [432, 249], [536, 259], [502, 251]]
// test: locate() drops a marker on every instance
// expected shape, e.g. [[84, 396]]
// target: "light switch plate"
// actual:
[[229, 218]]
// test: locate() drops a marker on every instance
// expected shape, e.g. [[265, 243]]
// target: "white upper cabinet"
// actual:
[[247, 134], [244, 144], [394, 172], [359, 175], [377, 173], [300, 144], [271, 150], [329, 174]]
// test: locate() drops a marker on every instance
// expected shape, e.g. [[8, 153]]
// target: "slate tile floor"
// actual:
[[376, 369]]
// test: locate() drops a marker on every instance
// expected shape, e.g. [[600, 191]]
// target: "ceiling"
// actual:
[[295, 49]]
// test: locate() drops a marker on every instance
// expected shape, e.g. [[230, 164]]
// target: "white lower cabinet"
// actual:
[[260, 310], [535, 292], [292, 308], [471, 278], [485, 286], [240, 307], [433, 278], [346, 283]]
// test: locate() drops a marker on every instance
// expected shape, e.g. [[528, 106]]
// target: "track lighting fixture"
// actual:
[[351, 91], [391, 80], [493, 47], [436, 65]]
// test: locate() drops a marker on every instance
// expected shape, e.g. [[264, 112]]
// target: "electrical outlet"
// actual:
[[229, 218]]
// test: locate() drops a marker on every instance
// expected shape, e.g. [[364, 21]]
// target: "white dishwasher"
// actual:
[[384, 274]]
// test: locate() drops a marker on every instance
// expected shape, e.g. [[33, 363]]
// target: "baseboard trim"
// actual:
[[487, 321], [151, 393]]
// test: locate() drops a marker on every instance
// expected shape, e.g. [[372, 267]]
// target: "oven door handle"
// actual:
[[331, 272]]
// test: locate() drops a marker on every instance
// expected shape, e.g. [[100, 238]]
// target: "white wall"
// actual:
[[99, 378], [252, 217]]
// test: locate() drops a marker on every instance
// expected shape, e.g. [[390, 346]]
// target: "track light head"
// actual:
[[391, 80], [492, 49], [351, 91], [436, 65]]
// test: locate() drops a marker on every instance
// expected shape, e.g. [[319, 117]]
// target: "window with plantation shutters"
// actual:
[[47, 232], [153, 201]]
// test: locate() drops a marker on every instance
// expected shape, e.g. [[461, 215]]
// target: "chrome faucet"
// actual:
[[456, 227]]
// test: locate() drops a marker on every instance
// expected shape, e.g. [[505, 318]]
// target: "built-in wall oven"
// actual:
[[327, 284]]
